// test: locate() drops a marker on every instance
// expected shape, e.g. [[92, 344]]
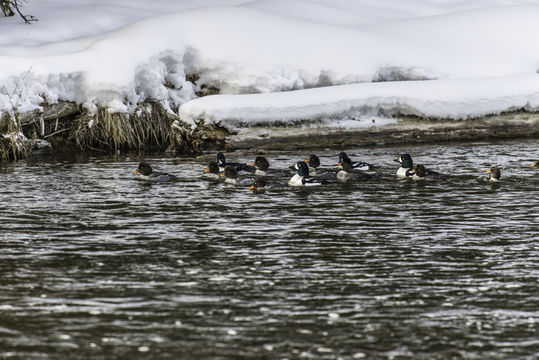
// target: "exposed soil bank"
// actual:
[[408, 130], [150, 128]]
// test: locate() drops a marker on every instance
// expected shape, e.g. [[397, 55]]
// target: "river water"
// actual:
[[99, 265]]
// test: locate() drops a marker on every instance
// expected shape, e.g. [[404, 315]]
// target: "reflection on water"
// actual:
[[99, 265]]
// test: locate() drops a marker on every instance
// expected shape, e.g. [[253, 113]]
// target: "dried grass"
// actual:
[[148, 127]]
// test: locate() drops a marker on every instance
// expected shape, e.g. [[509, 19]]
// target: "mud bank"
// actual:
[[66, 127], [407, 130]]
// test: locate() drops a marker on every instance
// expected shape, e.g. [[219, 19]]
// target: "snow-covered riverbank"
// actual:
[[337, 62], [121, 53]]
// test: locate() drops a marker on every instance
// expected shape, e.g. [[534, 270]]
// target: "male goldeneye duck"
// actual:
[[420, 173], [302, 178], [406, 165], [212, 171], [146, 172], [495, 173], [221, 161], [356, 165], [258, 186], [535, 164]]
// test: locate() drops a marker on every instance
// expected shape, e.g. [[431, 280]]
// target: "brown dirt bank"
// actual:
[[150, 128], [408, 130]]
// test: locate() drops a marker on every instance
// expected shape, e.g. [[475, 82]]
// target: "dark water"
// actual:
[[98, 265]]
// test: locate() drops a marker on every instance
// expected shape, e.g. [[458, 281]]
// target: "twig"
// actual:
[[27, 18]]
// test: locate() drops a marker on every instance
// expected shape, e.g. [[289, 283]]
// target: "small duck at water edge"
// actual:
[[535, 164], [302, 178], [146, 172]]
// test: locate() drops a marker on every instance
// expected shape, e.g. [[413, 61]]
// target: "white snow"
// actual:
[[276, 60]]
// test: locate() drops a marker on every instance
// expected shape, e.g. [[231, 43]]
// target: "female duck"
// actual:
[[212, 171], [495, 173], [420, 173], [146, 172], [258, 186], [347, 174], [262, 168], [356, 165], [302, 178], [230, 174]]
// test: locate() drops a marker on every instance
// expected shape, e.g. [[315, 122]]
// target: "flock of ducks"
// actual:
[[304, 173]]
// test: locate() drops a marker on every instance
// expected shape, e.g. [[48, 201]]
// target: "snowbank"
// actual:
[[480, 57]]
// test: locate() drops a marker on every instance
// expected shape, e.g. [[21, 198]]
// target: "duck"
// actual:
[[535, 164], [302, 178], [258, 186], [262, 168], [356, 165], [221, 161], [212, 171], [146, 172], [230, 174], [495, 173], [404, 171], [347, 173], [420, 173]]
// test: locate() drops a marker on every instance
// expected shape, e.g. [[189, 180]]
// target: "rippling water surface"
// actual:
[[96, 264]]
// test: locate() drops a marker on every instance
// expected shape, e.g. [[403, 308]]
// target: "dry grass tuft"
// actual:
[[148, 127]]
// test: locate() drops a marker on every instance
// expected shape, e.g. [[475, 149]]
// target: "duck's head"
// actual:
[[212, 168], [143, 168], [230, 172], [221, 160], [535, 164], [495, 173], [261, 163], [419, 170], [303, 168], [258, 185], [405, 160], [346, 164], [314, 161], [342, 156]]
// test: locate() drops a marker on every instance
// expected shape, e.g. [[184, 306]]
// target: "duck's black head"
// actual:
[[303, 168], [406, 161], [346, 164], [212, 168], [342, 156], [495, 173], [221, 160], [419, 170], [261, 163], [144, 169], [314, 161], [258, 185], [230, 172]]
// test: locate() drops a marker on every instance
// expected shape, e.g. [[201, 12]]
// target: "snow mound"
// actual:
[[480, 58]]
